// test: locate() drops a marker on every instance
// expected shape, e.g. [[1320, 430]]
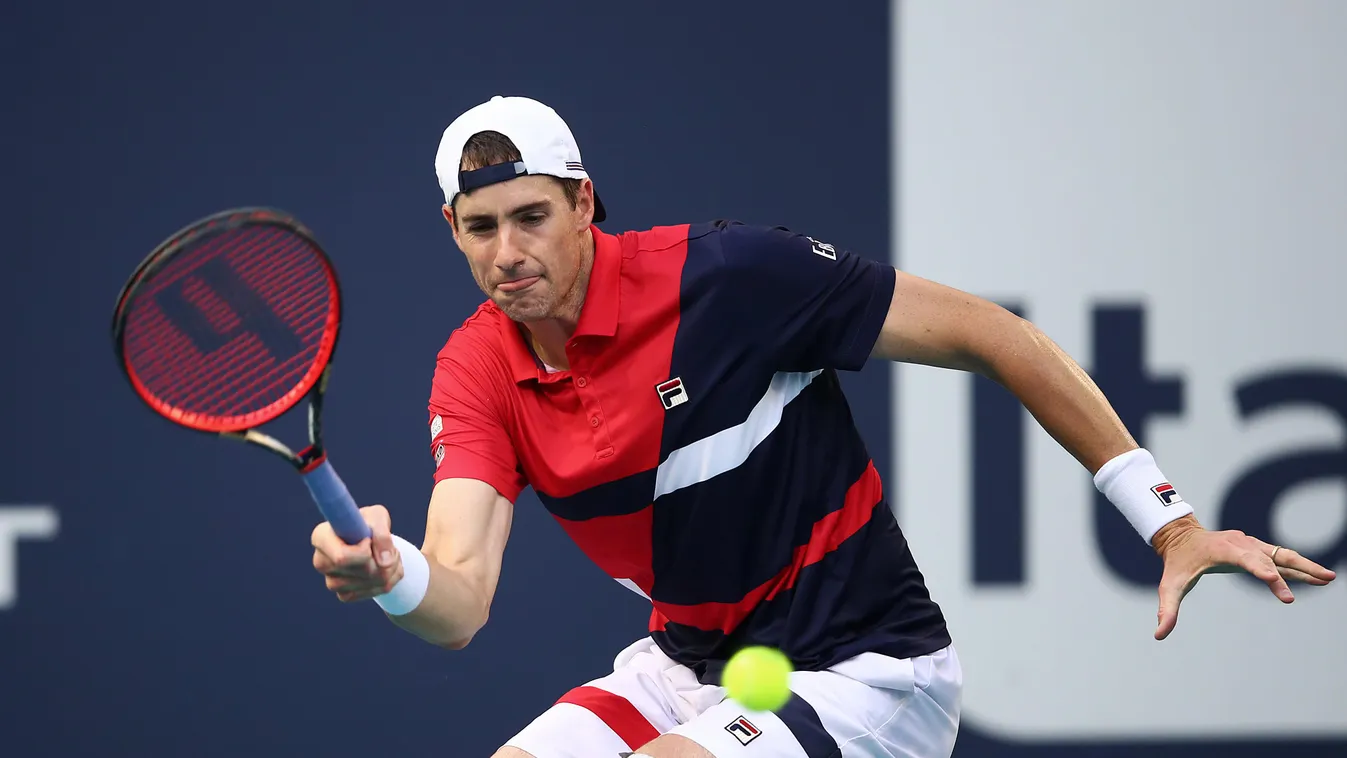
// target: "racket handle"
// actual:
[[336, 503]]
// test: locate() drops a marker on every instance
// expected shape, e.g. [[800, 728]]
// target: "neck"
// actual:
[[549, 336]]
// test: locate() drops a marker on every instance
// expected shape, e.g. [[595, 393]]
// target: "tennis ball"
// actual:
[[758, 677]]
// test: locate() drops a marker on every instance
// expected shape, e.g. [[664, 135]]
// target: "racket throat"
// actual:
[[309, 459], [305, 460]]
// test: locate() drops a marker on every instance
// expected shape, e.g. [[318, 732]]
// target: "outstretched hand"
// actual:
[[1189, 551]]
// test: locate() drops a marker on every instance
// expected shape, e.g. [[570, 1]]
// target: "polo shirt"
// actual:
[[700, 449]]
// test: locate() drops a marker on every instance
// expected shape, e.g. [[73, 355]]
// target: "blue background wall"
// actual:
[[176, 613]]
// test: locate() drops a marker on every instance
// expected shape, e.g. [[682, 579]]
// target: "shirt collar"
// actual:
[[598, 314]]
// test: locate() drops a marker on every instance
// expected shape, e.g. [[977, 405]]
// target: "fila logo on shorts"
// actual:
[[1167, 494], [743, 729], [671, 393]]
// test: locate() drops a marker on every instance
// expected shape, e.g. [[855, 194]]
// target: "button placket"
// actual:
[[589, 400]]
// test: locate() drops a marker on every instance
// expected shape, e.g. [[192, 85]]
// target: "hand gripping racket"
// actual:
[[229, 324]]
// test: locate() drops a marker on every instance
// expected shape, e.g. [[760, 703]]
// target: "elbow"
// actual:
[[1010, 342], [464, 636], [457, 644]]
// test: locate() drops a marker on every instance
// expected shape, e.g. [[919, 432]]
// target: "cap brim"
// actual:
[[600, 213]]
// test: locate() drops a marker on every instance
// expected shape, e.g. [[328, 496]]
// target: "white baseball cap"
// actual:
[[545, 144]]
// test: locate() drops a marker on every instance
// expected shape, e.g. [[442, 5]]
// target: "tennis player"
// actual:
[[672, 396]]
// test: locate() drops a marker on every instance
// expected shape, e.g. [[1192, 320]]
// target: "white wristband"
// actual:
[[1135, 486], [411, 588]]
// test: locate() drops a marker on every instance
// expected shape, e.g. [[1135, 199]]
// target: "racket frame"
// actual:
[[314, 454], [324, 485]]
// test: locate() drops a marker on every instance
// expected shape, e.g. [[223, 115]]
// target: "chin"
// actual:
[[526, 311]]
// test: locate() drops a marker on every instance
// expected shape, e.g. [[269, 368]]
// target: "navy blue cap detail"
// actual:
[[501, 172], [504, 172]]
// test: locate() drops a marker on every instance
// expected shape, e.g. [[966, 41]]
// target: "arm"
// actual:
[[935, 325], [467, 526], [442, 591]]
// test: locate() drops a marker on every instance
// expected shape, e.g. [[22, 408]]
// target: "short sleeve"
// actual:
[[814, 306], [468, 437]]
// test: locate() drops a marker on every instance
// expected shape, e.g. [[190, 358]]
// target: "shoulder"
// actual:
[[479, 331], [725, 238], [737, 244], [475, 350]]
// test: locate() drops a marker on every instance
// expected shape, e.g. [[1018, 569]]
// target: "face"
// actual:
[[525, 244]]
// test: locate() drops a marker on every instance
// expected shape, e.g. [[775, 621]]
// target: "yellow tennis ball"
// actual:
[[758, 677]]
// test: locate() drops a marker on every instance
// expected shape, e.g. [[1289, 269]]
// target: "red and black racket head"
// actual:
[[230, 322]]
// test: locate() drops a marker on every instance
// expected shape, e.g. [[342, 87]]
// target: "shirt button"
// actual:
[[593, 420], [581, 382]]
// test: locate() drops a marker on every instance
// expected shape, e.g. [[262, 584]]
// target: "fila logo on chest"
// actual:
[[672, 393]]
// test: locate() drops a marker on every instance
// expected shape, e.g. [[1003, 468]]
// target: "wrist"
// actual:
[[1137, 488], [406, 595], [1174, 533]]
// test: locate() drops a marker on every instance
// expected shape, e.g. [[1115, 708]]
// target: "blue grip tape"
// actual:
[[336, 503]]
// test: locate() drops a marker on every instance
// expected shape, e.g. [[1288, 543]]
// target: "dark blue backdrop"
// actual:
[[177, 612]]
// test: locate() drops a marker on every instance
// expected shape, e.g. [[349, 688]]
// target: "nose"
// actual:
[[508, 255]]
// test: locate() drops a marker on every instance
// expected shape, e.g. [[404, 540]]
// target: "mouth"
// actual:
[[517, 285]]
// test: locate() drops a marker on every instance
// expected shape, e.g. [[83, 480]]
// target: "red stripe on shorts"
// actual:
[[615, 711]]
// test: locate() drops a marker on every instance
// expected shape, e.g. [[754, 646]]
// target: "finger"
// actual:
[[356, 596], [352, 590], [1260, 565], [323, 540], [355, 561], [1292, 575], [353, 584], [334, 564], [342, 584], [381, 545], [1288, 558], [1171, 595], [335, 550]]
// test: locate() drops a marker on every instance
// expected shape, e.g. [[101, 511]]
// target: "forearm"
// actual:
[[1071, 408], [452, 611], [448, 583], [932, 324], [1054, 389]]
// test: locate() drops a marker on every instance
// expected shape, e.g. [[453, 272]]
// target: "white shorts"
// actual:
[[870, 705]]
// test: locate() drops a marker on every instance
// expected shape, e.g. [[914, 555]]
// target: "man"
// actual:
[[672, 397]]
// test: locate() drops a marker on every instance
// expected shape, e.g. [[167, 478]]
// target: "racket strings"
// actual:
[[164, 356], [233, 324]]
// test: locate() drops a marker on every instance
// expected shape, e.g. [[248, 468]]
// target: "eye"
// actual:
[[533, 219], [480, 228]]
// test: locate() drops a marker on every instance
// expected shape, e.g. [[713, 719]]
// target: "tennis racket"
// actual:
[[229, 324]]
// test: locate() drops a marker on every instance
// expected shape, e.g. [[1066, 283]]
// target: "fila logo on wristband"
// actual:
[[1167, 494]]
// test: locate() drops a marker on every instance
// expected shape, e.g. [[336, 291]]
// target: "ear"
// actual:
[[449, 216], [584, 204]]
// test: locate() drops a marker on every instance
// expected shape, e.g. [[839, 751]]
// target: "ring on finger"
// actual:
[[1274, 554]]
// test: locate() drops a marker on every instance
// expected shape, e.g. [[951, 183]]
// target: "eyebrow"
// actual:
[[539, 205]]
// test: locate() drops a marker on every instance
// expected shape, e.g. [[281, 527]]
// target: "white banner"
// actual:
[[1160, 186]]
